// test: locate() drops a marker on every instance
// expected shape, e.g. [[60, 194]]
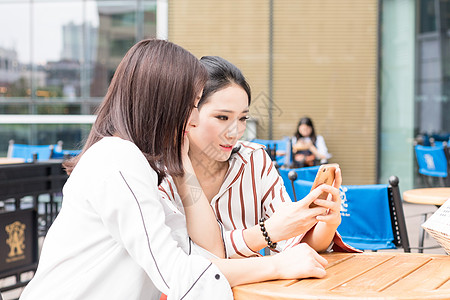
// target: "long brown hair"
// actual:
[[148, 102]]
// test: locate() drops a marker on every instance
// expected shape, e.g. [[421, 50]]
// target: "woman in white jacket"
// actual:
[[113, 238]]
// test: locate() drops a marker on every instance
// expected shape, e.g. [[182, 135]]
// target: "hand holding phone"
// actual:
[[325, 175]]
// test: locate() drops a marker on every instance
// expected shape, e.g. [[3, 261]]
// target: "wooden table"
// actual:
[[369, 275], [433, 196], [7, 160]]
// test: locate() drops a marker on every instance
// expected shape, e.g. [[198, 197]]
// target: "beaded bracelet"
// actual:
[[266, 235]]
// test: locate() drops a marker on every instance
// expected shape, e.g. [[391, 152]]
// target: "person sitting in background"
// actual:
[[307, 147]]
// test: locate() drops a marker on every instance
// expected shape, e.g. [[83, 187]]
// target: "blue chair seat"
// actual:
[[306, 174], [65, 153], [280, 145], [366, 221], [43, 152], [431, 160]]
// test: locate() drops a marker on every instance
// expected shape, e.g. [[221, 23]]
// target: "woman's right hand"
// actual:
[[294, 218], [300, 261]]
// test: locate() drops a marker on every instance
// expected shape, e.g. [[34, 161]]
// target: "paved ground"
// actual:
[[413, 220]]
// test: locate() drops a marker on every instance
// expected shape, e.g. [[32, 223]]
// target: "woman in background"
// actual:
[[307, 147]]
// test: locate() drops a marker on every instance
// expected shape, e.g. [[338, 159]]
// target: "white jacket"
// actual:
[[111, 239]]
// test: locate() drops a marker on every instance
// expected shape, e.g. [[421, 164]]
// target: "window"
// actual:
[[60, 59]]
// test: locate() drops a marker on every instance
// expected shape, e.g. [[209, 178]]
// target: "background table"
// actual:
[[428, 196], [433, 196], [7, 160], [367, 275]]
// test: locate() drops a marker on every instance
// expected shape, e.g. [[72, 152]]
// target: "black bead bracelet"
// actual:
[[266, 235]]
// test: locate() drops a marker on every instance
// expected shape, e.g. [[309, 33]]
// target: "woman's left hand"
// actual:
[[188, 182], [185, 154], [333, 203], [201, 222]]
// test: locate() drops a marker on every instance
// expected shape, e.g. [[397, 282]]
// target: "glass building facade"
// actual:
[[433, 67], [58, 57], [414, 81]]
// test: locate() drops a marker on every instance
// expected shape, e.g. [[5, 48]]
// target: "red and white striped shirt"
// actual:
[[252, 189]]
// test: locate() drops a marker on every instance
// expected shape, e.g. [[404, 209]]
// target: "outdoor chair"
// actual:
[[65, 153], [272, 146], [291, 175], [433, 163], [433, 139], [372, 215], [60, 153], [29, 152]]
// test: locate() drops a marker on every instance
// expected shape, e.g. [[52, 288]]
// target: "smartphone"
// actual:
[[325, 175]]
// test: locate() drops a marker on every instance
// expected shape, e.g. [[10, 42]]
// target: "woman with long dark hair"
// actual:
[[240, 182], [307, 146], [114, 236]]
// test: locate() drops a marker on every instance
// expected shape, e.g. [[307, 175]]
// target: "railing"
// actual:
[[27, 194]]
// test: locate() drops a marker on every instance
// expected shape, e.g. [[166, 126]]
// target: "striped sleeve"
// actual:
[[166, 189], [273, 191], [236, 246], [273, 195], [169, 194], [241, 202]]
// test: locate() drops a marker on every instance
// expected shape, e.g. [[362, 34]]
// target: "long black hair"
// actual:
[[221, 74], [309, 122]]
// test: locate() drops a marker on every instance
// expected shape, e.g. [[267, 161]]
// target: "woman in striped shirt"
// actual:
[[240, 181]]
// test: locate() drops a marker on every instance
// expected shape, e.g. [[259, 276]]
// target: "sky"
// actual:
[[46, 20]]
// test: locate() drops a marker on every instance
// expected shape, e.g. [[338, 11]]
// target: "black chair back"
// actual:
[[22, 188]]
